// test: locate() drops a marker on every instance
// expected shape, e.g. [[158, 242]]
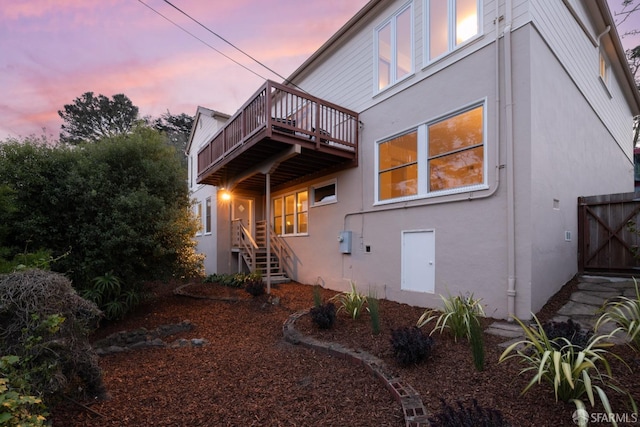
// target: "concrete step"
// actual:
[[505, 329]]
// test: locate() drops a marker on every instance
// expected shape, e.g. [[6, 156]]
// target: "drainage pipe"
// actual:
[[509, 143]]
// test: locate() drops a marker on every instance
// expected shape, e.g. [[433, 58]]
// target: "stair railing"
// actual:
[[244, 241]]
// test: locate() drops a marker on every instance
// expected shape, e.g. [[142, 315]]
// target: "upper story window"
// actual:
[[394, 48], [291, 213], [604, 68], [444, 156], [450, 23]]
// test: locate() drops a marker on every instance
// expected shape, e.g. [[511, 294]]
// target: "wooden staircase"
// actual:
[[253, 250]]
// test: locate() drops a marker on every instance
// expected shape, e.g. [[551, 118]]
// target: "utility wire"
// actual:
[[202, 41], [229, 43]]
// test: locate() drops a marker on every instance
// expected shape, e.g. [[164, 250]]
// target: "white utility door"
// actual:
[[418, 261], [243, 210]]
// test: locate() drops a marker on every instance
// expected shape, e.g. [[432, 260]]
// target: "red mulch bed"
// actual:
[[249, 376]]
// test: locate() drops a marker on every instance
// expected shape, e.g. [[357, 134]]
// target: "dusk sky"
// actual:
[[53, 51]]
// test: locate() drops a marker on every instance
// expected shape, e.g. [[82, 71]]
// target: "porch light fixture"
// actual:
[[225, 195]]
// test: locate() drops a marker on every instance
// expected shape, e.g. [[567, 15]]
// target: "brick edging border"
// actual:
[[415, 414]]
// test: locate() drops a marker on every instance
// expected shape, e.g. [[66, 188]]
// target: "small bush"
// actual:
[[569, 330], [467, 416], [323, 315], [410, 345], [229, 280], [254, 285], [109, 294]]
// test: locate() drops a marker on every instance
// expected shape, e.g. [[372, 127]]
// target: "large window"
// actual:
[[394, 44], [443, 156], [449, 24], [291, 213]]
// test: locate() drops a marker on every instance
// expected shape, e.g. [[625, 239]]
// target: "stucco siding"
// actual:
[[573, 153], [207, 242], [205, 127], [470, 230]]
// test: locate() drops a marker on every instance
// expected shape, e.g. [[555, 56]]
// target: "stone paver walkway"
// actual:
[[582, 307]]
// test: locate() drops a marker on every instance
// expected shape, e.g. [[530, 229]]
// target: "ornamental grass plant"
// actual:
[[459, 314], [623, 312], [573, 371], [351, 302]]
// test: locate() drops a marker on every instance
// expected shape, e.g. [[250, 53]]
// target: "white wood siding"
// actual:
[[580, 59], [205, 129], [344, 74]]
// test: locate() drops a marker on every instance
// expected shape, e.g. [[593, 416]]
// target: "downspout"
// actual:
[[509, 143], [606, 30]]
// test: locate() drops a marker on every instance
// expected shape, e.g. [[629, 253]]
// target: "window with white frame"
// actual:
[[449, 24], [291, 213], [199, 216], [207, 216], [398, 166], [394, 48], [444, 156], [323, 194]]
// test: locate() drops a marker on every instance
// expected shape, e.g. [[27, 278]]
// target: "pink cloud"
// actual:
[[58, 49]]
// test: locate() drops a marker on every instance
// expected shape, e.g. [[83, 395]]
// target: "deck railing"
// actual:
[[276, 108]]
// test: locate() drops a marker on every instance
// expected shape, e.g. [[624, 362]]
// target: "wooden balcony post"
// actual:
[[268, 231], [318, 128]]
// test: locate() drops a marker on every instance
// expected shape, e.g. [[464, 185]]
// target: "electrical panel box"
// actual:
[[344, 238]]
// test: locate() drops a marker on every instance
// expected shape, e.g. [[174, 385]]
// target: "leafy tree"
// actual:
[[119, 206], [177, 129], [91, 118]]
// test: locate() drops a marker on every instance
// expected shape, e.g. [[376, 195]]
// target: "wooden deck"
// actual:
[[274, 120]]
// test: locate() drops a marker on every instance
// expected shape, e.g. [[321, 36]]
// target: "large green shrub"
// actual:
[[120, 205]]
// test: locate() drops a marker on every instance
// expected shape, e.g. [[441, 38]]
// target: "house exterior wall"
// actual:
[[470, 231], [575, 151], [551, 168], [206, 124], [570, 135]]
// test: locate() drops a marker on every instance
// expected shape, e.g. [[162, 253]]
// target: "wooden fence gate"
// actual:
[[607, 236]]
